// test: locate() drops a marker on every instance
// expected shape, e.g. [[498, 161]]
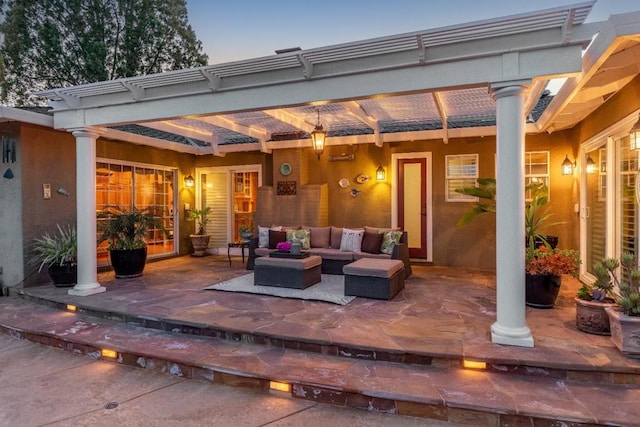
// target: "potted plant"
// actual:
[[544, 269], [625, 317], [59, 253], [200, 240], [246, 232], [126, 232], [592, 299]]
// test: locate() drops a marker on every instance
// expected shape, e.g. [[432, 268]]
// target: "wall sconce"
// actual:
[[380, 173], [634, 136], [318, 137], [591, 165], [567, 166], [189, 182]]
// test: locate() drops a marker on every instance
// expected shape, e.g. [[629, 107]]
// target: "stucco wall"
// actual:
[[11, 258], [48, 158]]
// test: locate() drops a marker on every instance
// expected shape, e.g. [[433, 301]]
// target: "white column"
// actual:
[[510, 327], [86, 213]]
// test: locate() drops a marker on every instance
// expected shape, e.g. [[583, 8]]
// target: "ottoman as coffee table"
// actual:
[[374, 278], [287, 272]]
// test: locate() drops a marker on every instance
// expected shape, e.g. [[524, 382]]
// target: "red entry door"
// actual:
[[412, 203]]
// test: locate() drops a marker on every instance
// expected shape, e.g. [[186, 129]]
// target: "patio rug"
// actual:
[[330, 289]]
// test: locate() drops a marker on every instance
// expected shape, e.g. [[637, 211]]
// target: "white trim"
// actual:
[[256, 167], [429, 196], [25, 116]]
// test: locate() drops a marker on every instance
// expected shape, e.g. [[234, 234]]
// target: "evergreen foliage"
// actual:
[[58, 43]]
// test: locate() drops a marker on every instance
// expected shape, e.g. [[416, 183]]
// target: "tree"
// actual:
[[58, 43]]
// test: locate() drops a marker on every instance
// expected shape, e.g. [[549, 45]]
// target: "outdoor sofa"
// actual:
[[337, 246]]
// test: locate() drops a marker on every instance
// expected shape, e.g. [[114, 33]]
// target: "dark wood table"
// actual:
[[241, 245]]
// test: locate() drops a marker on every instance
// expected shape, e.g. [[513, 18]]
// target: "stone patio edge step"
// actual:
[[187, 358], [595, 374]]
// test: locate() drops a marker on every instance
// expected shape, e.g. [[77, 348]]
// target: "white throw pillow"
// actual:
[[351, 240], [263, 235]]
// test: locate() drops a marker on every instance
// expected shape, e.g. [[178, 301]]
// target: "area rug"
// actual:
[[330, 289]]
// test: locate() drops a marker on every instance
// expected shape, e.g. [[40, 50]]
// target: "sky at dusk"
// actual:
[[245, 29]]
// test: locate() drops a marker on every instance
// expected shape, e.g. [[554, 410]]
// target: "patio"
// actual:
[[441, 317]]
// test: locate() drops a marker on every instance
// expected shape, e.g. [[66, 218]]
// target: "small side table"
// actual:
[[241, 245]]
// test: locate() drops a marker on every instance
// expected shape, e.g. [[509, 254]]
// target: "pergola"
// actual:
[[475, 79]]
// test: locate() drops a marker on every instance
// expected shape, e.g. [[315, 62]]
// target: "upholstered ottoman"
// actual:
[[287, 272], [374, 278]]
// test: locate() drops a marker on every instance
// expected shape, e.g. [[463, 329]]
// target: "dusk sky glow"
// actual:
[[245, 29]]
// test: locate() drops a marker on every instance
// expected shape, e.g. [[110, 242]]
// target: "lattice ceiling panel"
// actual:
[[469, 103], [402, 109]]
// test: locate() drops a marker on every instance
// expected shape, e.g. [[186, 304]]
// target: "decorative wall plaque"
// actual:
[[286, 188]]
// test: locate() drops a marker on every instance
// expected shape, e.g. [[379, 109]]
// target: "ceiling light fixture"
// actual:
[[318, 137]]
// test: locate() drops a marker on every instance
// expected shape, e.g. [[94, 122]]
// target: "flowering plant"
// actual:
[[283, 247], [554, 262]]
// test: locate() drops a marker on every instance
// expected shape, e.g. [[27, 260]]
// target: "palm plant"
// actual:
[[201, 216], [127, 229]]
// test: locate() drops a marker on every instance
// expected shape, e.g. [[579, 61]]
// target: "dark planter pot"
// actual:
[[128, 262], [542, 290], [64, 275]]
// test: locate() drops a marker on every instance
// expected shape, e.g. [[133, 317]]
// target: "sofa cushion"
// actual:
[[262, 251], [368, 229], [276, 237], [360, 255], [389, 240], [263, 235], [336, 237], [371, 242], [320, 236], [301, 236], [336, 254], [351, 240]]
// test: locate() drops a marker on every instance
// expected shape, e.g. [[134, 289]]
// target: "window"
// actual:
[[536, 170], [461, 171], [126, 185]]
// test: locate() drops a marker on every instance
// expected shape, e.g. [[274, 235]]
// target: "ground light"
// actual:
[[474, 364], [109, 354], [279, 388], [71, 307]]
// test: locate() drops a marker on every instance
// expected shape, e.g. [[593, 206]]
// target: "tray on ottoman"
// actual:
[[278, 254], [287, 272], [374, 278]]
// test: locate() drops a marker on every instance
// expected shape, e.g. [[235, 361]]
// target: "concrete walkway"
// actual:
[[40, 385]]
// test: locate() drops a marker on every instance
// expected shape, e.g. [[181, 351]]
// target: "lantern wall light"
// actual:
[[591, 165], [567, 166], [189, 182], [380, 173]]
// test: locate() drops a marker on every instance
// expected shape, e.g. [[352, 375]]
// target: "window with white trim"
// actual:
[[461, 171], [536, 170]]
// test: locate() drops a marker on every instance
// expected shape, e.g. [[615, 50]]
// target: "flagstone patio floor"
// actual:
[[442, 316]]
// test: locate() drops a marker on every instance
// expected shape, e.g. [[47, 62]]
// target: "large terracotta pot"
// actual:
[[591, 317], [542, 290], [625, 332], [128, 262], [200, 243]]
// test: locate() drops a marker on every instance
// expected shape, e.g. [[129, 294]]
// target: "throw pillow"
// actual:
[[389, 240], [336, 237], [371, 242], [301, 236], [320, 236], [263, 235], [276, 237], [351, 240]]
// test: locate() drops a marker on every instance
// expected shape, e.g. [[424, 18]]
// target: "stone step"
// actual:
[[567, 365], [445, 393]]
